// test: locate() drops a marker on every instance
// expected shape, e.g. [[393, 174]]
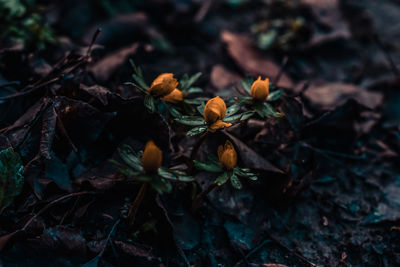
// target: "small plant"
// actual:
[[226, 166], [165, 92], [215, 116], [146, 167], [259, 96]]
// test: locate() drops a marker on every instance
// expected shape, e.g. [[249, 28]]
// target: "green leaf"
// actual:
[[130, 157], [173, 111], [149, 103], [194, 90], [223, 178], [195, 101], [161, 185], [138, 75], [11, 177], [174, 175], [191, 120], [239, 117], [235, 182], [275, 95], [244, 172], [187, 82], [196, 130], [209, 166], [269, 111], [200, 108], [247, 84], [233, 109]]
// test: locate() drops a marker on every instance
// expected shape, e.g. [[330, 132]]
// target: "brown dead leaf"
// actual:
[[104, 68], [222, 78], [328, 95], [250, 60]]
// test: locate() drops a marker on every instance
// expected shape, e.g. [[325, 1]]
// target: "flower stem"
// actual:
[[197, 201], [136, 204]]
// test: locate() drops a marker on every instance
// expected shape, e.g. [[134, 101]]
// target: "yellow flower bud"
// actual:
[[175, 97], [163, 85], [227, 155], [260, 89], [151, 157], [214, 112]]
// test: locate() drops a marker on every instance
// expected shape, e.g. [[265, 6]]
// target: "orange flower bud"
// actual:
[[163, 85], [260, 89], [175, 97], [151, 157], [214, 112], [227, 155]]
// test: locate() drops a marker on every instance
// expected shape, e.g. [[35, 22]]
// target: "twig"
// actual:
[[297, 254], [197, 201], [136, 204], [53, 203], [32, 90], [95, 35], [283, 67], [203, 11]]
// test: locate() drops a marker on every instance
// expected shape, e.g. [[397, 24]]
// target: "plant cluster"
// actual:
[[181, 103]]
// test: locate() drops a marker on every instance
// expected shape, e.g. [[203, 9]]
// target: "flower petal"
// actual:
[[219, 124]]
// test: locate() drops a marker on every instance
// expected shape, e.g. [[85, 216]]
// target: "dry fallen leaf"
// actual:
[[250, 60], [222, 78], [104, 68], [327, 95]]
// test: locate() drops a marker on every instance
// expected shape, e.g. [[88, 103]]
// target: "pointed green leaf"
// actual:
[[209, 166], [173, 111], [194, 90], [200, 108], [239, 117], [233, 109], [174, 175], [196, 130], [130, 157], [195, 101], [149, 103], [223, 178], [191, 120], [235, 182], [187, 82], [246, 83], [161, 185], [275, 95]]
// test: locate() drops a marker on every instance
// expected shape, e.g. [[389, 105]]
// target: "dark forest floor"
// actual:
[[328, 192]]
